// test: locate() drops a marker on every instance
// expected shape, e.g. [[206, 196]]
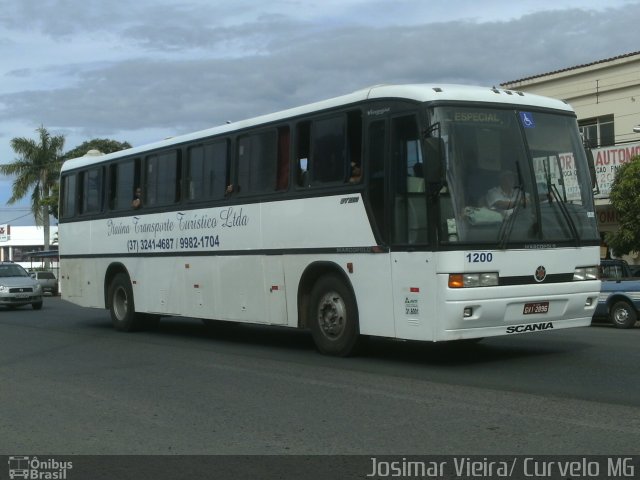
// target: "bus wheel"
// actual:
[[333, 317], [623, 315], [121, 304]]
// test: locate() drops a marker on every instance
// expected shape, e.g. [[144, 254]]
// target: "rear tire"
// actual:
[[121, 305], [333, 317], [623, 315]]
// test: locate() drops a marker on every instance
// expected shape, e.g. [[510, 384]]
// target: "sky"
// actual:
[[140, 71]]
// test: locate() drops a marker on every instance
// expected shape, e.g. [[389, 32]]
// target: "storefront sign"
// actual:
[[607, 217], [4, 233], [608, 160]]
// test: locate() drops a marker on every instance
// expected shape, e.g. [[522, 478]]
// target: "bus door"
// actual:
[[412, 261]]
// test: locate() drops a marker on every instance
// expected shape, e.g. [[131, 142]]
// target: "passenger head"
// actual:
[[507, 180]]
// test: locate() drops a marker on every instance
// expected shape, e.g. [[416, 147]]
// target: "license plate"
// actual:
[[22, 295], [535, 307]]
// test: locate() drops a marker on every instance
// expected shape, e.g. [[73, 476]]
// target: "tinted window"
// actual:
[[91, 191], [162, 179], [377, 136], [207, 167], [329, 150], [68, 202], [257, 162], [124, 177], [328, 158]]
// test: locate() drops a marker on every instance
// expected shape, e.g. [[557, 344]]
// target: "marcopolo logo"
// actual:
[[37, 469]]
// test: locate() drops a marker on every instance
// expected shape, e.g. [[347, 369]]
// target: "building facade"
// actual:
[[18, 243], [606, 97]]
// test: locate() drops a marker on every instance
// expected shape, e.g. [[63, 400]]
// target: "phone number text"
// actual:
[[181, 243]]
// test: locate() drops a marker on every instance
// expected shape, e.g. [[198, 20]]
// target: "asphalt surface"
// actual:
[[70, 384]]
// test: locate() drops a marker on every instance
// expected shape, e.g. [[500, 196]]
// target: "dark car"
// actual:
[[18, 288]]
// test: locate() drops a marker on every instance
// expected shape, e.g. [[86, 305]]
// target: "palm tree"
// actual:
[[36, 169]]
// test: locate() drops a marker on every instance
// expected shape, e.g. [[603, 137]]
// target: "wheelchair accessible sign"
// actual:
[[527, 120]]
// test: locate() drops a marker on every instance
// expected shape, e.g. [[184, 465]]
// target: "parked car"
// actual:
[[47, 281], [619, 300], [18, 288]]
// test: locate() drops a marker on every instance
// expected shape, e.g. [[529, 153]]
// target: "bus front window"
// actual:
[[513, 177]]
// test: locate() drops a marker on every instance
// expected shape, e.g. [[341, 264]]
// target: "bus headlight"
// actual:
[[586, 273], [471, 280]]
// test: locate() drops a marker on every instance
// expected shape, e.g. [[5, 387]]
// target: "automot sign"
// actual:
[[608, 160]]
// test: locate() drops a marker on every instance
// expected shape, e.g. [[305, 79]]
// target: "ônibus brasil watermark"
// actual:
[[34, 468]]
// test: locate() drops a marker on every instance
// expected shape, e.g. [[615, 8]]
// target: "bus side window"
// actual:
[[91, 191], [329, 155], [68, 196], [354, 144], [282, 178], [123, 179], [207, 171], [162, 179], [257, 162], [303, 144], [195, 173]]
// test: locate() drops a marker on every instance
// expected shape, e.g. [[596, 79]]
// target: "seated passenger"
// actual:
[[356, 173], [136, 203]]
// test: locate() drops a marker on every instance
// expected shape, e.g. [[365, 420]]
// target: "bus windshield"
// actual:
[[513, 178]]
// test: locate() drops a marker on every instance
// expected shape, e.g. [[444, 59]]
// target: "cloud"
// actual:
[[185, 67], [141, 71]]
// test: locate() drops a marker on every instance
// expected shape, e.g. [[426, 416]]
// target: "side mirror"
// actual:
[[434, 164]]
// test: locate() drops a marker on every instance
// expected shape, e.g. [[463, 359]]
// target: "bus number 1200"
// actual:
[[479, 257]]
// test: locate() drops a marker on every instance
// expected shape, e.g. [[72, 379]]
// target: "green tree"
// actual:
[[626, 201], [103, 145], [36, 170]]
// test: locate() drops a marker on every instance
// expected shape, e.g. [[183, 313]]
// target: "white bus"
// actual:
[[370, 214]]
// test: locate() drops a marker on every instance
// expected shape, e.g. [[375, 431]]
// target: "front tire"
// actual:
[[623, 315], [37, 305], [121, 305], [333, 317]]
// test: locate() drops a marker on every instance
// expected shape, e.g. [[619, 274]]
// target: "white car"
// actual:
[[47, 281], [17, 288]]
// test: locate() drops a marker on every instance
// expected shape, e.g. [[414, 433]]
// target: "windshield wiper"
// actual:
[[507, 224], [553, 190]]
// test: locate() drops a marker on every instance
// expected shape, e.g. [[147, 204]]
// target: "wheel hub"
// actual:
[[332, 314], [621, 315], [120, 303]]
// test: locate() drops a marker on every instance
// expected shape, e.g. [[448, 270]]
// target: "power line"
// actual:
[[14, 219]]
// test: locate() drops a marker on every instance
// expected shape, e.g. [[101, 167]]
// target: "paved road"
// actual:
[[70, 384]]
